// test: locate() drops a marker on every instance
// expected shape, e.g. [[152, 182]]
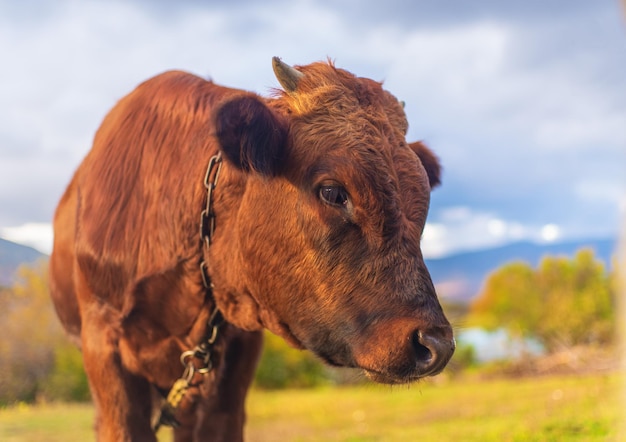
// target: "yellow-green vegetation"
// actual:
[[558, 408], [30, 334], [49, 423], [563, 302]]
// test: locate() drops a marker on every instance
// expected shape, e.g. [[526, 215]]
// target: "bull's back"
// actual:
[[131, 210]]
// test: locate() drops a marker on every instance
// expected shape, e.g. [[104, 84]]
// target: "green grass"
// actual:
[[51, 423], [565, 408]]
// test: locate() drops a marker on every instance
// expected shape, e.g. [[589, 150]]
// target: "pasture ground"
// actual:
[[554, 408]]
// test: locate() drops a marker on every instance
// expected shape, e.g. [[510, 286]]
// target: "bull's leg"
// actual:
[[123, 400], [220, 412]]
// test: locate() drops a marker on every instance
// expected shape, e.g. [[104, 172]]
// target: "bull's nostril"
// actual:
[[422, 353], [432, 352]]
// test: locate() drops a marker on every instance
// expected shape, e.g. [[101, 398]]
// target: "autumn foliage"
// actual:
[[563, 302], [36, 360]]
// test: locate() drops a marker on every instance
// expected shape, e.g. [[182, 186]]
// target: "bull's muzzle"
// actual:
[[404, 350]]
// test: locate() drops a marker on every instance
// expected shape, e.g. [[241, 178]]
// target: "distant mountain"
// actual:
[[13, 255], [459, 277]]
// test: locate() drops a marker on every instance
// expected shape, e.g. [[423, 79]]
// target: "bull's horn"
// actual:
[[287, 76]]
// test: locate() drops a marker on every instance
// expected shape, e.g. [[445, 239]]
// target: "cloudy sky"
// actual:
[[524, 102]]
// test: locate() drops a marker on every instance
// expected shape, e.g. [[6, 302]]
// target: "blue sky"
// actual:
[[524, 102]]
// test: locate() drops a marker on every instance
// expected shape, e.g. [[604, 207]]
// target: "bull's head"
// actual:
[[327, 203]]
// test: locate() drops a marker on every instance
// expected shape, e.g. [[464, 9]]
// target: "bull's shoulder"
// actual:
[[140, 187]]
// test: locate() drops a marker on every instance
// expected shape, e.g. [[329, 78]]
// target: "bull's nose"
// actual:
[[432, 352]]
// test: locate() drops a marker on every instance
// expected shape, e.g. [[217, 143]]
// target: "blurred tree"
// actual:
[[579, 299], [30, 334], [67, 380], [510, 299], [564, 302], [36, 360]]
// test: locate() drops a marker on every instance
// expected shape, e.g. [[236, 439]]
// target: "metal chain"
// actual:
[[203, 351], [207, 217]]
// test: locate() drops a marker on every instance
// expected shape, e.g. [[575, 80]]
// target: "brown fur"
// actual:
[[348, 283]]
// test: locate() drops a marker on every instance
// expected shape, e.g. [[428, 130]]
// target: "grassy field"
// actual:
[[571, 408]]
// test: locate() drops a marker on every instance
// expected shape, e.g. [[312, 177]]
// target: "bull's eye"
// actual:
[[334, 194]]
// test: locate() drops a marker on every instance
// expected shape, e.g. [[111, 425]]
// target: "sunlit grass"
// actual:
[[567, 408], [50, 422], [557, 408]]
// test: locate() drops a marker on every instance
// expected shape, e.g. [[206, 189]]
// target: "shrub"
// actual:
[[67, 381]]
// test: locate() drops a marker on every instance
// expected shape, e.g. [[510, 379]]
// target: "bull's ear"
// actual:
[[251, 135], [429, 161]]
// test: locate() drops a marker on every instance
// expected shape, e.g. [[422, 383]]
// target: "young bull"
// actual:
[[311, 228]]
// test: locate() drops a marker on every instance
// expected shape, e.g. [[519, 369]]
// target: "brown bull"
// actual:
[[318, 210]]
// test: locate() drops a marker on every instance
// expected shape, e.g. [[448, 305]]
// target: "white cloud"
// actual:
[[460, 228], [601, 189], [36, 235], [550, 232], [434, 243]]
